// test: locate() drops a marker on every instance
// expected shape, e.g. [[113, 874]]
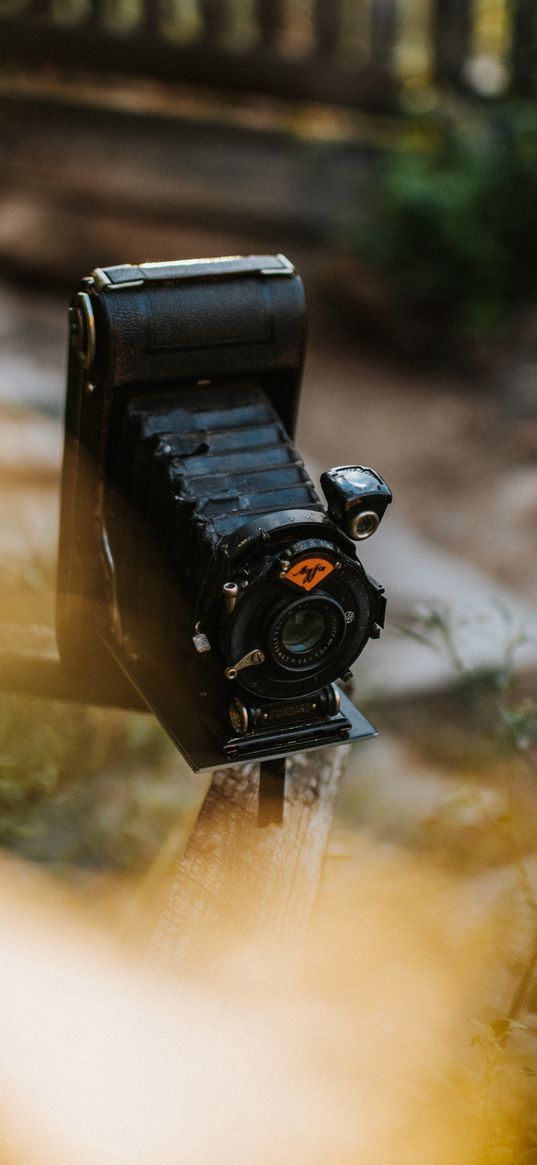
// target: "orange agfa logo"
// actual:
[[309, 572]]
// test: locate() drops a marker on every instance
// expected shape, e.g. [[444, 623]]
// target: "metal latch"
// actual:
[[252, 659], [82, 328]]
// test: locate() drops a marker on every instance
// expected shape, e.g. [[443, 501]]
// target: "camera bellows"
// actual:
[[206, 484], [194, 465]]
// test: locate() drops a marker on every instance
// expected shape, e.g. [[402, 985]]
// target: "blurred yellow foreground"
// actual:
[[359, 1050]]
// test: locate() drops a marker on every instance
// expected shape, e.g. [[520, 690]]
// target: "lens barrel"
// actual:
[[306, 632], [302, 631]]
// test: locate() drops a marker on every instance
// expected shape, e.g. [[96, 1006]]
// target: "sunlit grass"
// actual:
[[86, 787]]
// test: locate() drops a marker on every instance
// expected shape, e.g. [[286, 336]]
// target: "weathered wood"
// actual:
[[327, 27], [210, 59], [41, 10], [238, 885], [451, 31], [524, 46], [94, 13], [211, 54], [159, 175], [383, 33], [151, 17], [269, 18], [215, 19]]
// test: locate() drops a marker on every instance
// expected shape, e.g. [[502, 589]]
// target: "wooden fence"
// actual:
[[351, 52]]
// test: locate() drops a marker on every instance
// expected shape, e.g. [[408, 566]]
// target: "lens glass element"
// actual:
[[304, 634], [303, 630]]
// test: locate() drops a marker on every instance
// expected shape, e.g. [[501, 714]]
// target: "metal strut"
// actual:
[[271, 791]]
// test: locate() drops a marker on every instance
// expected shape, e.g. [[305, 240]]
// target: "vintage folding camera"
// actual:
[[200, 574]]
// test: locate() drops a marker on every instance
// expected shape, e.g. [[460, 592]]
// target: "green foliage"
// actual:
[[497, 727], [453, 218], [484, 717], [85, 786], [521, 724]]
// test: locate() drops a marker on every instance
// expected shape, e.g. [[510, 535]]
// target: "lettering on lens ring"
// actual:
[[312, 656]]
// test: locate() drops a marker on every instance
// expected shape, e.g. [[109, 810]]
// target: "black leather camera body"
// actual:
[[200, 574]]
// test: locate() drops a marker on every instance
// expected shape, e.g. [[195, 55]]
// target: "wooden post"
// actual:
[[241, 885], [327, 27], [523, 46], [269, 20], [451, 31], [383, 33], [215, 16], [41, 10], [151, 17]]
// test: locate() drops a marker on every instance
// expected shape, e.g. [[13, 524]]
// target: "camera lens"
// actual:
[[305, 633], [302, 630], [305, 639]]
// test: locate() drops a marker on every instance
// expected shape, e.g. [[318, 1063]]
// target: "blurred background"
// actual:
[[389, 147]]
